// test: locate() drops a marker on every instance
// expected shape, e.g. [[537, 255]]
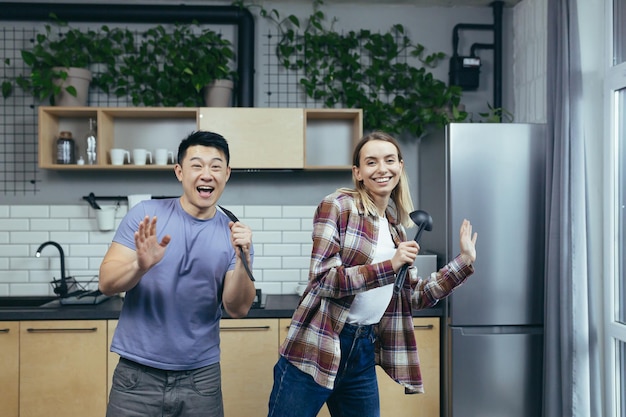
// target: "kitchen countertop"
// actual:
[[276, 306]]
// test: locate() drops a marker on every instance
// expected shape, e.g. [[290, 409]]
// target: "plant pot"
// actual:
[[218, 93], [80, 79]]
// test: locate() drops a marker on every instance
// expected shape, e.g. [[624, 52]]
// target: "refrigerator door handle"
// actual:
[[487, 330]]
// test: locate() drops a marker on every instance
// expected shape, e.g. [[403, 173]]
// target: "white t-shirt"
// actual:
[[368, 307]]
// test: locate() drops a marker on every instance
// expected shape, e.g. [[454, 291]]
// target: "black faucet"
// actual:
[[62, 288]]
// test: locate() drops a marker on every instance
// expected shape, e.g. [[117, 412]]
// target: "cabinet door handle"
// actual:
[[424, 327], [250, 328], [64, 330], [5, 330]]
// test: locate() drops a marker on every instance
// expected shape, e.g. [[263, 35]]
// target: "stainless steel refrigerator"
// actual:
[[493, 175]]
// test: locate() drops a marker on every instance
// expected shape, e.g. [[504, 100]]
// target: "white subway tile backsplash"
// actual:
[[49, 224], [28, 237], [281, 249], [266, 237], [69, 237], [267, 262], [281, 224], [296, 237], [20, 212], [30, 289], [296, 262], [12, 224], [299, 212], [262, 212], [306, 248], [69, 212], [281, 236], [13, 276], [12, 250], [281, 275]]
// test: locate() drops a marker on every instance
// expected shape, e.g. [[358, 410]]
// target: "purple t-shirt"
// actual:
[[170, 319]]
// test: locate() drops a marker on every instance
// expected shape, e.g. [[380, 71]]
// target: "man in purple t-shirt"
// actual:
[[179, 261]]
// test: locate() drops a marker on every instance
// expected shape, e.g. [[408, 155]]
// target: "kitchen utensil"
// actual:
[[91, 199], [234, 218], [423, 221]]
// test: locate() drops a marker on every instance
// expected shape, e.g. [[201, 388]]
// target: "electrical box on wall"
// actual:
[[465, 72]]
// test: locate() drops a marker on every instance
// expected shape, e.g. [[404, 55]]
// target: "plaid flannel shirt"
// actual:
[[344, 242]]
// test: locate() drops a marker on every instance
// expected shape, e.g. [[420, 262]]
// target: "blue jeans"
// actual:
[[354, 394], [142, 391]]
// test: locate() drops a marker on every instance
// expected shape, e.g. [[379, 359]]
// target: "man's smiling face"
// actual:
[[203, 174]]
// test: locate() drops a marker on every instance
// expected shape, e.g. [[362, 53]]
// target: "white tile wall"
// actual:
[[281, 236]]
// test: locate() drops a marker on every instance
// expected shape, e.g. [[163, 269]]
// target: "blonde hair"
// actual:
[[401, 195]]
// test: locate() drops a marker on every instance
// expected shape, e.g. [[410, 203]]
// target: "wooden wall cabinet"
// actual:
[[9, 364], [259, 138], [62, 368]]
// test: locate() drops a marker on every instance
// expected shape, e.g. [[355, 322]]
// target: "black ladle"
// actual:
[[91, 199], [234, 218], [423, 221]]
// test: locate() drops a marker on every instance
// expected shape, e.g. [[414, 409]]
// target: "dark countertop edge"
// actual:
[[277, 306]]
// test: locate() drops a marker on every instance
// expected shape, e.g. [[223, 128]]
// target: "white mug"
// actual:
[[117, 156], [163, 157], [139, 156]]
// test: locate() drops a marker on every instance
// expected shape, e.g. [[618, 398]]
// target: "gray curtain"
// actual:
[[571, 353]]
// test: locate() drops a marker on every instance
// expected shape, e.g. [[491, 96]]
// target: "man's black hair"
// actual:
[[204, 138]]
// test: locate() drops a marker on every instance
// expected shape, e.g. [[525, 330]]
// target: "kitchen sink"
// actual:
[[8, 302]]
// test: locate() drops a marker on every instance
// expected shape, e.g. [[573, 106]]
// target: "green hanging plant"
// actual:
[[367, 70], [55, 50], [171, 68]]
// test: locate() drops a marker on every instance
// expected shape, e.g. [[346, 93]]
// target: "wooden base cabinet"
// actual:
[[9, 366], [248, 354], [393, 401], [112, 358], [62, 368]]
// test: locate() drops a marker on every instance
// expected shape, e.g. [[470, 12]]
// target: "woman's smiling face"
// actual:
[[379, 168], [203, 174]]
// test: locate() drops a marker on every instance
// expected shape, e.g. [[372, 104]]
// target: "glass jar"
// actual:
[[66, 148]]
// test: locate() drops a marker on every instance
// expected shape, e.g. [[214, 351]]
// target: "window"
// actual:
[[619, 31], [615, 212]]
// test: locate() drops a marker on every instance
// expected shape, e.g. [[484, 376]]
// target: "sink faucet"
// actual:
[[62, 289]]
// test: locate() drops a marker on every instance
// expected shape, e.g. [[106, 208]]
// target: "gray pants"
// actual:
[[142, 391]]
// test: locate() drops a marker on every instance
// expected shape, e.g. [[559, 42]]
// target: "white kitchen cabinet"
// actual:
[[9, 364]]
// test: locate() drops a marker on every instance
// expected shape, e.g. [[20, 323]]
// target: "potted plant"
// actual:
[[60, 61], [173, 67], [385, 74]]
